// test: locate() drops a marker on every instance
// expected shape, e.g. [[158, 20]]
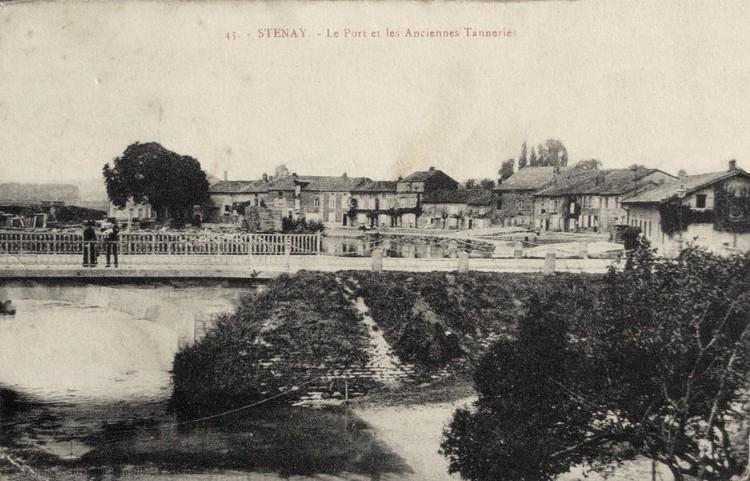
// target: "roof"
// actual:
[[600, 182], [533, 178], [324, 183], [376, 186], [317, 183], [238, 187], [462, 196], [423, 175], [690, 183]]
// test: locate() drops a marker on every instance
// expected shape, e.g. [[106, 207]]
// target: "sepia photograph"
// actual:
[[375, 240]]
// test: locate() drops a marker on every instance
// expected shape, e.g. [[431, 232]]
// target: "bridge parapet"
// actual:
[[143, 244]]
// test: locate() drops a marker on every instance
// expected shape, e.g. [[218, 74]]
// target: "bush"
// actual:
[[656, 367], [294, 330], [300, 226]]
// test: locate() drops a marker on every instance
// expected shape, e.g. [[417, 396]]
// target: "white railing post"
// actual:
[[549, 264], [287, 249]]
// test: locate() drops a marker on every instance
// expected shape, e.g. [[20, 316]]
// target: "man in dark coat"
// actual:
[[112, 238], [89, 245]]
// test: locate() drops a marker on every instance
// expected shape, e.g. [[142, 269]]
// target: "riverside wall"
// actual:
[[185, 313]]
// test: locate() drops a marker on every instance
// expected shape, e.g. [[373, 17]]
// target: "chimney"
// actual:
[[343, 176], [226, 177], [432, 168], [265, 177], [732, 165]]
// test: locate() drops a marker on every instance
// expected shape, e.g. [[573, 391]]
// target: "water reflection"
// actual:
[[84, 394], [404, 246]]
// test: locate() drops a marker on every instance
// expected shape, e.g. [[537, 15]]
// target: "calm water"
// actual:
[[84, 394], [403, 246]]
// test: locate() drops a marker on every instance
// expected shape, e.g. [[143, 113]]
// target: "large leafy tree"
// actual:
[[170, 182], [554, 153], [523, 159], [506, 169], [657, 368]]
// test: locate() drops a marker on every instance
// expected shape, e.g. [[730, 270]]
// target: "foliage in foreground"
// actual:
[[278, 338], [657, 368]]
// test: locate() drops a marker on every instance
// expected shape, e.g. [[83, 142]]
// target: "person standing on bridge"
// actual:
[[89, 245], [112, 239]]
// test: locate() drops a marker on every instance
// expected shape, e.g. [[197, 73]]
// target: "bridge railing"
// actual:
[[159, 244]]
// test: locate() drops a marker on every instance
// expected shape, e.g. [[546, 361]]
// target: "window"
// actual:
[[700, 201], [556, 204], [316, 202], [606, 202], [332, 201]]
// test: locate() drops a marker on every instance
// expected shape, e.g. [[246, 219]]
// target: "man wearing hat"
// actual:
[[111, 240], [89, 245]]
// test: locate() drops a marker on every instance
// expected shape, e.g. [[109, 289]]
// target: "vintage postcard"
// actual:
[[421, 241]]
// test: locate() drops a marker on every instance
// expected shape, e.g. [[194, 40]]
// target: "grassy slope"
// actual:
[[297, 323], [437, 319]]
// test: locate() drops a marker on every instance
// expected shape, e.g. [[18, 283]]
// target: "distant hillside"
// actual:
[[32, 193], [91, 190]]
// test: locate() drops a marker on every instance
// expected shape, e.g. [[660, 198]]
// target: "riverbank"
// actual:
[[346, 332]]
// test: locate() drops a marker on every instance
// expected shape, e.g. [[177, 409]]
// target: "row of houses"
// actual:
[[572, 200], [670, 211], [429, 198], [710, 209]]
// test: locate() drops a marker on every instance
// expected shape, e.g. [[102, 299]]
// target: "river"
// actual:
[[84, 394]]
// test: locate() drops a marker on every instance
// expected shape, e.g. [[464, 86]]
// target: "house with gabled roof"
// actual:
[[227, 194], [591, 200], [711, 210], [314, 197], [327, 198], [396, 203], [457, 209], [515, 195], [375, 203]]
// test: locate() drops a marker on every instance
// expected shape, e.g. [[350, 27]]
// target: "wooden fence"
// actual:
[[165, 244]]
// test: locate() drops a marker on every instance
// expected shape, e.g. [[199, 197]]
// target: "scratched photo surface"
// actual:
[[416, 241]]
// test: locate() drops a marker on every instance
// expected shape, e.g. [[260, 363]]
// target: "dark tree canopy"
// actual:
[[523, 159], [550, 154], [533, 160], [487, 184], [589, 164], [170, 182], [657, 368], [506, 169]]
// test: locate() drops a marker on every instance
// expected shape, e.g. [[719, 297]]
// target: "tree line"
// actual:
[[552, 153]]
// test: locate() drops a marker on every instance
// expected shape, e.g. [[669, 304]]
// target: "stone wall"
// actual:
[[167, 306]]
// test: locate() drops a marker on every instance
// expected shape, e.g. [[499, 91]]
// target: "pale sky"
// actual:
[[665, 84]]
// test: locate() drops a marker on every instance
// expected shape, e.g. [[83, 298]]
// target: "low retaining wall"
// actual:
[[176, 313]]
